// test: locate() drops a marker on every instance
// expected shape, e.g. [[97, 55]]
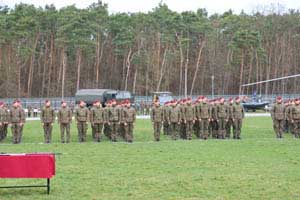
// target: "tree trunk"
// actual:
[[128, 63], [162, 69], [241, 71], [64, 67], [78, 55], [31, 66], [197, 66]]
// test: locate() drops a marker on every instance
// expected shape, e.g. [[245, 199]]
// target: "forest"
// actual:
[[50, 52]]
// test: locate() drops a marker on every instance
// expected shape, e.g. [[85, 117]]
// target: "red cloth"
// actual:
[[27, 166]]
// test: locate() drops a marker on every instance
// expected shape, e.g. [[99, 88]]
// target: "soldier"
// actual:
[[47, 118], [277, 114], [182, 127], [6, 121], [107, 130], [214, 118], [2, 120], [16, 120], [189, 118], [121, 128], [82, 118], [290, 117], [97, 120], [287, 110], [229, 123], [238, 114], [93, 130], [175, 118], [128, 117], [198, 128], [205, 118], [296, 118], [23, 117], [64, 118], [114, 120], [166, 120], [157, 116], [222, 118]]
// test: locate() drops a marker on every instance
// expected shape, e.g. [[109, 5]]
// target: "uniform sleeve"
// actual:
[[152, 114], [91, 114], [23, 117], [58, 116], [42, 115]]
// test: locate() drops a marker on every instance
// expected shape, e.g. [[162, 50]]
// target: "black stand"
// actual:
[[32, 186]]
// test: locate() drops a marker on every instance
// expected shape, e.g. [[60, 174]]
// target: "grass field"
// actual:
[[256, 167]]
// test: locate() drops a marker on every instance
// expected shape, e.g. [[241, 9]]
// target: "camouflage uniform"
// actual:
[[97, 120], [277, 114], [182, 126], [197, 124], [157, 116], [82, 117], [23, 116], [205, 116], [107, 129], [47, 118], [64, 118], [296, 119], [93, 129], [166, 127], [128, 117], [230, 122], [222, 118], [16, 118], [2, 121], [114, 120], [175, 118], [5, 125], [214, 123], [189, 119], [238, 114]]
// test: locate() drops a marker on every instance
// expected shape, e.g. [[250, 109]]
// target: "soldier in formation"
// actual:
[[82, 118], [47, 119], [64, 118], [203, 118]]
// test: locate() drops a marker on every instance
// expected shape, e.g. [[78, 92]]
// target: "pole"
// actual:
[[212, 86]]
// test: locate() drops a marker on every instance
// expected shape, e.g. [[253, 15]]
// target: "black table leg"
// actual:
[[48, 185]]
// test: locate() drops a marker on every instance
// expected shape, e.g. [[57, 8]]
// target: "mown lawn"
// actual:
[[257, 167]]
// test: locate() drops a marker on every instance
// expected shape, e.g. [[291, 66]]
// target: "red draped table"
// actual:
[[40, 165]]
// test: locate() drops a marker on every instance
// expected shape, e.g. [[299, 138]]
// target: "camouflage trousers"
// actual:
[[189, 129], [114, 127], [182, 130], [93, 131], [64, 128], [278, 126], [15, 130], [237, 127], [214, 128], [205, 126], [229, 126], [129, 132], [166, 128], [47, 132], [198, 129], [221, 128], [156, 129], [297, 128], [97, 131], [82, 129], [107, 131], [174, 130]]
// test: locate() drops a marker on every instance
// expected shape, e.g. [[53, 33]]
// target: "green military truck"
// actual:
[[104, 95]]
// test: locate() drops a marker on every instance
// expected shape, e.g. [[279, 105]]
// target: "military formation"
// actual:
[[203, 118], [115, 120], [182, 119], [286, 117]]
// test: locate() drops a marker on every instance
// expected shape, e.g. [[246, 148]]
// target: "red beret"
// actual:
[[279, 98]]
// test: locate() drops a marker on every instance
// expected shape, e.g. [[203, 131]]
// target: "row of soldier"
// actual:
[[286, 117], [113, 120], [204, 118]]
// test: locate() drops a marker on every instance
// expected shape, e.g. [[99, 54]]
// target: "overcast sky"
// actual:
[[212, 6]]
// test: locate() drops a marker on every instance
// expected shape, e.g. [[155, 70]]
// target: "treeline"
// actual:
[[46, 52]]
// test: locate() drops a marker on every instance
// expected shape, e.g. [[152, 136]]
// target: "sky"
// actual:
[[212, 6]]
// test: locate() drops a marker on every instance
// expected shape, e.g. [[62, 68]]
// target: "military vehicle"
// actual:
[[104, 95], [163, 97]]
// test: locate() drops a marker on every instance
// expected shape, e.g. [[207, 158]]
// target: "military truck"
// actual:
[[104, 95]]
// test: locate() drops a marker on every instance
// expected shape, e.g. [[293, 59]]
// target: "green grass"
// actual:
[[256, 167]]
